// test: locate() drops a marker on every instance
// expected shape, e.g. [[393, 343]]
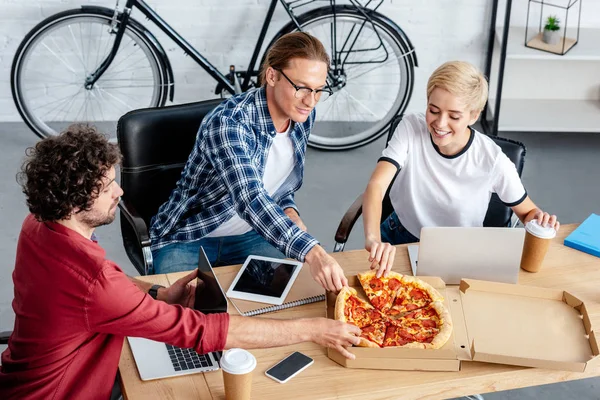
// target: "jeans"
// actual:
[[226, 250], [393, 232]]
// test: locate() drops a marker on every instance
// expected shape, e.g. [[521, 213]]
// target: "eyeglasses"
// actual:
[[303, 91]]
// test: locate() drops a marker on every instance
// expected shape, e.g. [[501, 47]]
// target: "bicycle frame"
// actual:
[[188, 49]]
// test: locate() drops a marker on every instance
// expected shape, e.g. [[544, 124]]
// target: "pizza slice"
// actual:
[[352, 309], [412, 294], [399, 336], [430, 326], [373, 335], [380, 291]]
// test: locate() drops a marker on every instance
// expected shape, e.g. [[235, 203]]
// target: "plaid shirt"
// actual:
[[223, 176]]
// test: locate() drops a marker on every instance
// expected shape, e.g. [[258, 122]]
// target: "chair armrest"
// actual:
[[348, 220], [137, 223], [4, 337]]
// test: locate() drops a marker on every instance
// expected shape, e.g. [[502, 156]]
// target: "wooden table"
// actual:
[[563, 268]]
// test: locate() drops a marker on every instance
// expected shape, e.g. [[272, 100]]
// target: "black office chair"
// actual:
[[4, 337], [497, 214], [155, 143]]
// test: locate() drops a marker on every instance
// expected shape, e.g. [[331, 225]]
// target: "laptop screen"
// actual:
[[209, 295]]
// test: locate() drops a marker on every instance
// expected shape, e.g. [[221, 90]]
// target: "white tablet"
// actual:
[[264, 280]]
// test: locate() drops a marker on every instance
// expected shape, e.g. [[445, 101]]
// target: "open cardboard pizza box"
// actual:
[[496, 323]]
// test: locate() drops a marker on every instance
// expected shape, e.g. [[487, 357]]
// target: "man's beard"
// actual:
[[94, 221]]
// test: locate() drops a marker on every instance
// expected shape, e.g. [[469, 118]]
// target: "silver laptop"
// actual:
[[490, 254], [155, 360]]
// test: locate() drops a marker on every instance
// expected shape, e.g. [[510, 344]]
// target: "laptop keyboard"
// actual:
[[185, 359]]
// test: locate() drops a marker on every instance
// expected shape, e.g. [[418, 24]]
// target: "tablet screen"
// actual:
[[265, 278]]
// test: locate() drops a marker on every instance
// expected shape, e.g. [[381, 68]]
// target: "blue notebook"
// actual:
[[586, 237]]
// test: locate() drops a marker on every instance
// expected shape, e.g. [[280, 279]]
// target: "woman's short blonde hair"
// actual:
[[463, 80]]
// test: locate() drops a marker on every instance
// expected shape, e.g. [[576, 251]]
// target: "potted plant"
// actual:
[[552, 30]]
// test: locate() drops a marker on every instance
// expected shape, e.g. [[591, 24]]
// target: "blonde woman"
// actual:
[[447, 170]]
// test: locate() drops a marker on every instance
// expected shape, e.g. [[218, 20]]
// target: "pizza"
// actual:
[[429, 327], [413, 294], [373, 335], [380, 291], [404, 312], [350, 308]]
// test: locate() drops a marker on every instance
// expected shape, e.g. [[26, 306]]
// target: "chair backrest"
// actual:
[[498, 214], [156, 143]]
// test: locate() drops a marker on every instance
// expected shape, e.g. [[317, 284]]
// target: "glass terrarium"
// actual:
[[553, 26]]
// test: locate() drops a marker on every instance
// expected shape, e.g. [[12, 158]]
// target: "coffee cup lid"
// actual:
[[238, 361], [543, 232]]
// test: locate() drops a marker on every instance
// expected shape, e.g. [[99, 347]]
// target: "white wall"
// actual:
[[226, 30], [590, 13]]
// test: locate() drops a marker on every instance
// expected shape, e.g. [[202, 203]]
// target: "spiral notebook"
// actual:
[[304, 291]]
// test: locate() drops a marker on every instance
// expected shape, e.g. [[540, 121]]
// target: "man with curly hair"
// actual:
[[73, 307]]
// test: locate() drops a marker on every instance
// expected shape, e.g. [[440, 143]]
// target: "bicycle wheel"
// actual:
[[55, 58], [372, 75]]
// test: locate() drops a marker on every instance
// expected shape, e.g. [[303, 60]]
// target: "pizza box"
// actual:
[[496, 323]]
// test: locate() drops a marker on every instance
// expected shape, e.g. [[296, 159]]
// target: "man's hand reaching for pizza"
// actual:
[[325, 269], [334, 334]]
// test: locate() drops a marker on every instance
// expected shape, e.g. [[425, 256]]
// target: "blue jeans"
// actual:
[[393, 232], [226, 250]]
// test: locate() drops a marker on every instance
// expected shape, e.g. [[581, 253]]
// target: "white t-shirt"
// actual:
[[280, 164], [433, 189]]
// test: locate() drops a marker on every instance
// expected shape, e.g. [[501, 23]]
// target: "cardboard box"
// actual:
[[496, 323]]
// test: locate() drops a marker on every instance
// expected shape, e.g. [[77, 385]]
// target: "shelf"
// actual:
[[536, 115], [587, 49]]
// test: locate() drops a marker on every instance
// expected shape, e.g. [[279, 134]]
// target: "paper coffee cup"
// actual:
[[237, 366], [537, 241]]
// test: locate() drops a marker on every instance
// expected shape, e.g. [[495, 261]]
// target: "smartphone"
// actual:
[[289, 367]]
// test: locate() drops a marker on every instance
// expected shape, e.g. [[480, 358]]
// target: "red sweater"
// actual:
[[73, 309]]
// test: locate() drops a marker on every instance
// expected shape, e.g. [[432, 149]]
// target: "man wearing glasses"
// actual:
[[235, 196]]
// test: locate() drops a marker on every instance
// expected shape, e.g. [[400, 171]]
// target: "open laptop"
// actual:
[[490, 254], [155, 360]]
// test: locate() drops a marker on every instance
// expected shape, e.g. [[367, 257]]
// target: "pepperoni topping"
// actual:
[[347, 310], [380, 301], [376, 284], [414, 325], [430, 312], [417, 294], [428, 323], [404, 334], [354, 300], [374, 315], [368, 329], [398, 300], [419, 337], [360, 311], [410, 307], [411, 315], [393, 283]]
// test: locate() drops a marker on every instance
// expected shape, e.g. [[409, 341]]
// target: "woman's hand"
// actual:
[[543, 218], [381, 255]]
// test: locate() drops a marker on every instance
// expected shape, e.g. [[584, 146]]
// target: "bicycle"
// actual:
[[95, 64]]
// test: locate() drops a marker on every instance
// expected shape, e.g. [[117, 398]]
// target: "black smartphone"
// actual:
[[289, 367]]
